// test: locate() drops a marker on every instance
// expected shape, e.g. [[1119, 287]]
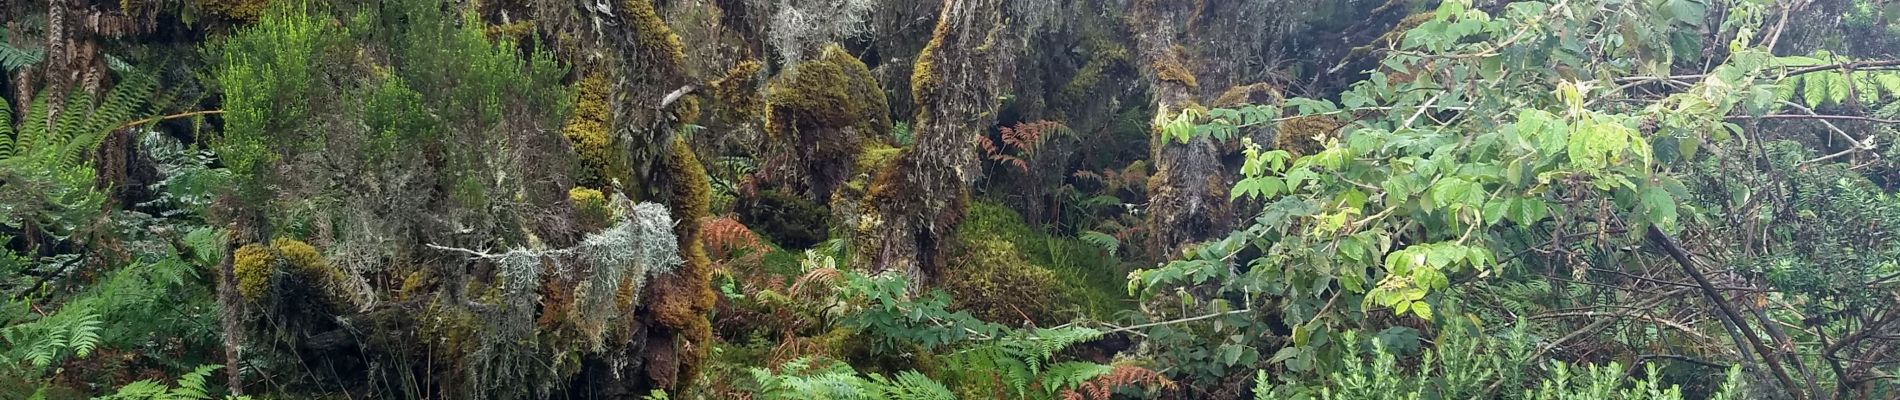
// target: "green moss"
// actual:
[[684, 298], [588, 131], [517, 31], [735, 90], [590, 208], [1171, 69], [832, 92], [252, 265], [995, 282], [256, 266], [1305, 135], [1083, 277], [789, 220], [864, 88], [655, 38], [1258, 93]]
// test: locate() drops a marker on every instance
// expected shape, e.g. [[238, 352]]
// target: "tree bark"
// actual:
[[956, 84], [230, 309], [1187, 203]]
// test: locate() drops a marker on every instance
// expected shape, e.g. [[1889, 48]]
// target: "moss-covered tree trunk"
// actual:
[[1188, 201], [650, 99], [915, 206]]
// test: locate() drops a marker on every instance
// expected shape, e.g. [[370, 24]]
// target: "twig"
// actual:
[[163, 118], [1816, 116], [1132, 328]]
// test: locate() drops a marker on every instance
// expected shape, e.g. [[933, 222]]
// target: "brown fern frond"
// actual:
[[1122, 376], [802, 288]]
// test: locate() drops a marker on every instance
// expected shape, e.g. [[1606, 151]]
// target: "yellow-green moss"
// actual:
[[864, 88], [876, 156], [242, 10], [1258, 93], [684, 298], [590, 208], [735, 90], [834, 91], [1170, 68], [654, 36], [588, 131], [1104, 54], [1305, 135], [450, 331], [252, 265], [255, 264], [995, 282]]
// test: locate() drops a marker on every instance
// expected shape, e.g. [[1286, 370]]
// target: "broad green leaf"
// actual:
[[1660, 207]]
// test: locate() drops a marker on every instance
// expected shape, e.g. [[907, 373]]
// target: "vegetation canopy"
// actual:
[[958, 199]]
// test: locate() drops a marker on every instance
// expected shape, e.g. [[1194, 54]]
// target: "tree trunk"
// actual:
[[230, 309], [955, 85], [1188, 202]]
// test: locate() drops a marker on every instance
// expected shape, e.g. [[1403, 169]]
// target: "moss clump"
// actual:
[[256, 266], [1258, 93], [588, 130], [1305, 135], [1089, 280], [736, 93], [682, 299], [590, 208], [995, 282], [655, 38], [835, 91], [252, 265], [788, 220], [1171, 69], [517, 31], [1106, 54]]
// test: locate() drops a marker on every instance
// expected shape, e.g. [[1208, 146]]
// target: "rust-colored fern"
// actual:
[[1123, 376]]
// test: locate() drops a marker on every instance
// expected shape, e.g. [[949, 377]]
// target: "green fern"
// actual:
[[1824, 88], [191, 386], [13, 58], [1103, 240]]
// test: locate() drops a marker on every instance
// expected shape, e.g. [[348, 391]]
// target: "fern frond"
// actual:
[[911, 385], [12, 58], [1069, 375], [192, 384], [33, 129], [1103, 240], [84, 335]]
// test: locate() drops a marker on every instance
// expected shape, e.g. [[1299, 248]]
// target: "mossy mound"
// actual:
[[1077, 277], [289, 268], [590, 208], [993, 281]]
